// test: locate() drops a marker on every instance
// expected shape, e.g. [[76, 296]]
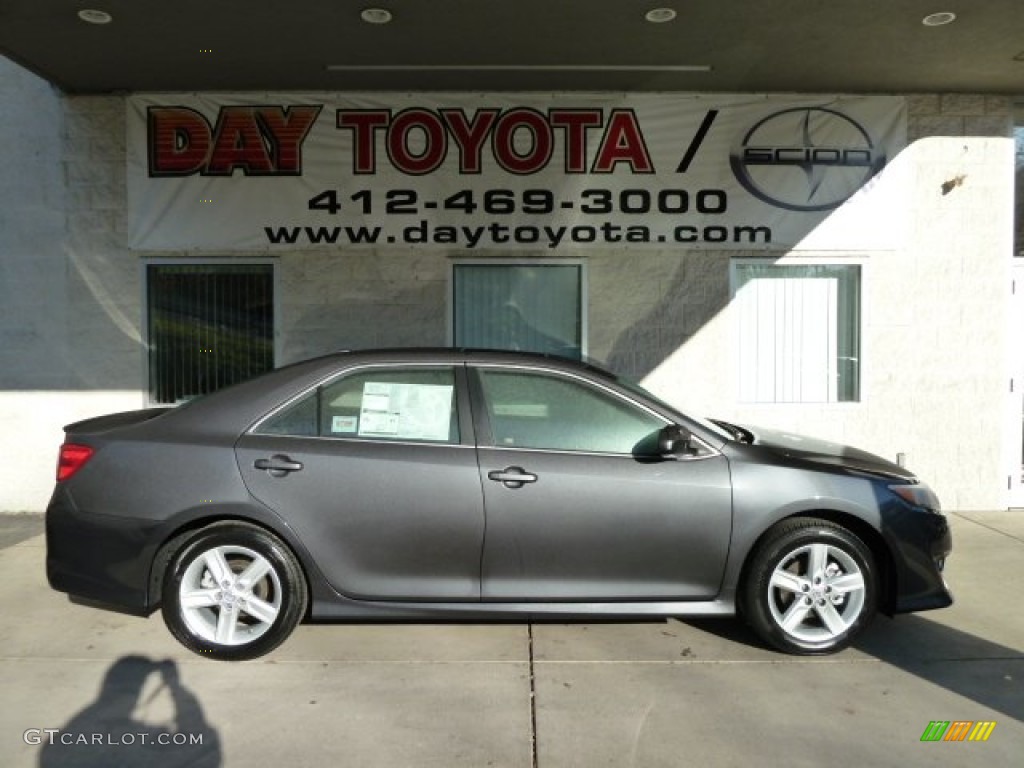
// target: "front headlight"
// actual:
[[917, 495]]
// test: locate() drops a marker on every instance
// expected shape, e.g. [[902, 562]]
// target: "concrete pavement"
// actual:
[[548, 695]]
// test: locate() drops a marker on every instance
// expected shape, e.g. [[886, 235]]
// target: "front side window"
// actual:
[[799, 332], [529, 409], [408, 405], [536, 307], [210, 325]]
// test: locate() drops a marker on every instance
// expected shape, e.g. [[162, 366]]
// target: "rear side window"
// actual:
[[417, 404], [298, 419]]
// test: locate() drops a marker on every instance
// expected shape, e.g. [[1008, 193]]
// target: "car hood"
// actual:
[[819, 451]]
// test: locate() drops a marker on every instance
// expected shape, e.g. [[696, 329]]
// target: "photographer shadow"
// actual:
[[143, 715]]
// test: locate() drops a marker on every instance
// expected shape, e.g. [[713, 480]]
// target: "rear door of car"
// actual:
[[580, 507], [376, 471]]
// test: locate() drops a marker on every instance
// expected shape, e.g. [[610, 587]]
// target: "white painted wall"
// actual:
[[934, 369]]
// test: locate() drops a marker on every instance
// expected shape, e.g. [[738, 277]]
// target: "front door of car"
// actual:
[[376, 472], [580, 507]]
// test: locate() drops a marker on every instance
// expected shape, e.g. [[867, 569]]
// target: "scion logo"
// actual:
[[806, 159]]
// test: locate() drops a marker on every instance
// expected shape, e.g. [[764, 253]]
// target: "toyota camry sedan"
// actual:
[[471, 485]]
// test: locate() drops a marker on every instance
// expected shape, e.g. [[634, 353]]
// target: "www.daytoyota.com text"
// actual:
[[597, 216]]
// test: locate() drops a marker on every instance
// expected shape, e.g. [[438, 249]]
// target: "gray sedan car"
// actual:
[[465, 485]]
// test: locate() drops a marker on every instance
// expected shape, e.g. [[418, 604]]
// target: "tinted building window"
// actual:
[[210, 325], [529, 307]]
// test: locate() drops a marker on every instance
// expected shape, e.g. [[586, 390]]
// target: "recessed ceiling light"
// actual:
[[660, 15], [375, 15], [938, 19], [92, 16]]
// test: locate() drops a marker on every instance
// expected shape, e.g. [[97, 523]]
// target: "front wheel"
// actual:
[[810, 587], [233, 592]]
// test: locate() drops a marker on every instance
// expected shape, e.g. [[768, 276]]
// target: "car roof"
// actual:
[[237, 406], [460, 354], [228, 412]]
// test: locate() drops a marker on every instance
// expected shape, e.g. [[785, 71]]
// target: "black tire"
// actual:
[[806, 613], [238, 620]]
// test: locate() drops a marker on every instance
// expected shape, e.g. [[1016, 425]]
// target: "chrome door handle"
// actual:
[[512, 477], [278, 465]]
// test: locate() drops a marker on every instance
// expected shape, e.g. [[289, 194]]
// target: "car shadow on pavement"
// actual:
[[16, 528], [143, 715], [987, 673]]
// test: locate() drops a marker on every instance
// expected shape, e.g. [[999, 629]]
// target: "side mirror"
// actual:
[[673, 439]]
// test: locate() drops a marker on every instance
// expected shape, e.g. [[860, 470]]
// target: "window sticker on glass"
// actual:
[[522, 410], [345, 424], [405, 411]]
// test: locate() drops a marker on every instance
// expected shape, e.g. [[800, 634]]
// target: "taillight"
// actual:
[[72, 458]]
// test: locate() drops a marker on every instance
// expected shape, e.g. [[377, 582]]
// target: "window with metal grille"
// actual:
[[799, 332], [210, 325]]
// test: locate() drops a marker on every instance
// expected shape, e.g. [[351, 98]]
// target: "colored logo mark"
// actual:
[[958, 730]]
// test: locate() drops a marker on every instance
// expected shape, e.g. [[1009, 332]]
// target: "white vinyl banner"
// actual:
[[547, 173]]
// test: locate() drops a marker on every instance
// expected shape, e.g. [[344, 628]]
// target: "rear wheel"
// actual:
[[810, 588], [233, 591]]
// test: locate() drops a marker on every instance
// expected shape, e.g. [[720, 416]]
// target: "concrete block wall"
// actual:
[[359, 299], [105, 329], [69, 292], [32, 224], [935, 318], [934, 310], [32, 286]]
